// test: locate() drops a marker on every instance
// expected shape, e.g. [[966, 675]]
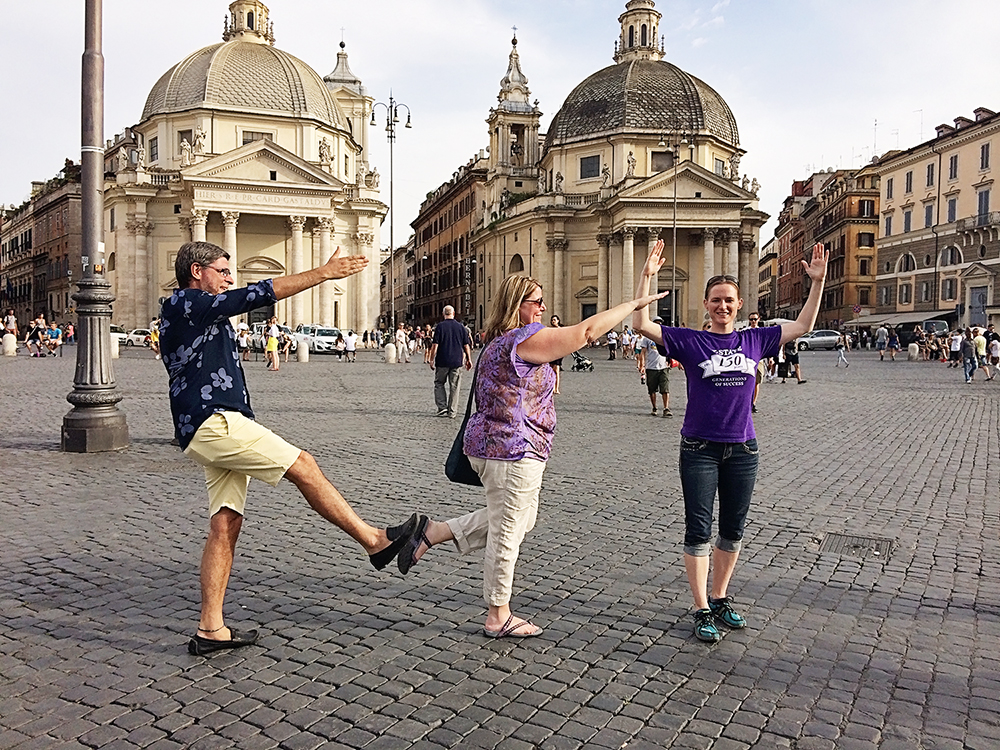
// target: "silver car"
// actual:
[[819, 340]]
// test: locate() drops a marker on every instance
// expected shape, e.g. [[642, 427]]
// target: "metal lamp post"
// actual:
[[675, 150], [95, 422], [391, 118]]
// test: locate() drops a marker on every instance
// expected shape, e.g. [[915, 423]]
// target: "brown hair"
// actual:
[[722, 279], [505, 315], [202, 253]]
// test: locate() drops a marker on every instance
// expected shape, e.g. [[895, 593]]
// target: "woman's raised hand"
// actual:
[[654, 261], [816, 268]]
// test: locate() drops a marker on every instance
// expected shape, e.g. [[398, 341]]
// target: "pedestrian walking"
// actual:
[[842, 349], [450, 350], [271, 349], [215, 425], [509, 438], [718, 444], [556, 364], [892, 345], [612, 344], [654, 371], [969, 360], [881, 341]]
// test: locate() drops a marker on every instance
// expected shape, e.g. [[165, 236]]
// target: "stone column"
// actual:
[[363, 286], [147, 292], [324, 225], [603, 241], [557, 246], [199, 218], [748, 274], [295, 265], [708, 260], [614, 262], [731, 264], [127, 306], [231, 219], [628, 263], [654, 284]]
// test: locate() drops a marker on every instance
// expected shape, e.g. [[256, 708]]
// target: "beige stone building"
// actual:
[[939, 240], [638, 151], [246, 146]]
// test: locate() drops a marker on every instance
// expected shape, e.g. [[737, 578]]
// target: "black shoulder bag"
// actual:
[[457, 468]]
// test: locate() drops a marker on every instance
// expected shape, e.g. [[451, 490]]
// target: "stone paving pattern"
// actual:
[[99, 575]]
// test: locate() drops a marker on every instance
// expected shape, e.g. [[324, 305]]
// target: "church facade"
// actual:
[[246, 146], [639, 151]]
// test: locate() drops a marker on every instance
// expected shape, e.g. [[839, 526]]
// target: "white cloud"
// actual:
[[699, 42], [720, 6]]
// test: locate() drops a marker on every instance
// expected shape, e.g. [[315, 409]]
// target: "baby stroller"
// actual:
[[581, 363]]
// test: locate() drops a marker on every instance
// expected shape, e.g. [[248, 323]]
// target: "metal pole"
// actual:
[[673, 265], [391, 127], [95, 422]]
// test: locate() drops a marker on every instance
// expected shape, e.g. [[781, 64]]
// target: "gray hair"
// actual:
[[449, 311], [202, 253]]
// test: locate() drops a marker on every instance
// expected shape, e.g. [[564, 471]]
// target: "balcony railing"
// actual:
[[989, 219]]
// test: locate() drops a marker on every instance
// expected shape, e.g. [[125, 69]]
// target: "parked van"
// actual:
[[907, 335]]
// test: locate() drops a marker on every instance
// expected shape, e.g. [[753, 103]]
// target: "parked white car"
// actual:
[[138, 337], [117, 332], [325, 340], [304, 335]]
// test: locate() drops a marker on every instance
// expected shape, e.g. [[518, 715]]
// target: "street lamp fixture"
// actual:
[[391, 118]]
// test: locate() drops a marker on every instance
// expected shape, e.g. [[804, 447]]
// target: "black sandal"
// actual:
[[406, 559], [398, 536]]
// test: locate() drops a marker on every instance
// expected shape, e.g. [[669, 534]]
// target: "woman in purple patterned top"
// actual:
[[508, 440], [718, 444]]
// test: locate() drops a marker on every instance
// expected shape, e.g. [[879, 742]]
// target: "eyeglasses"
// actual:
[[540, 301], [223, 271], [754, 320]]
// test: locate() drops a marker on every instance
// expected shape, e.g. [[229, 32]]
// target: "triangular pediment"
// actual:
[[588, 292], [978, 269], [254, 163], [691, 179]]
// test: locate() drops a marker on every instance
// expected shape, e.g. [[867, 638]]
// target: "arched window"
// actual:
[[250, 21], [951, 256], [642, 36], [516, 265], [111, 262], [631, 36], [907, 263]]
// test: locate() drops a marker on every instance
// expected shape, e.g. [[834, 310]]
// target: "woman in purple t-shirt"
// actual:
[[508, 440], [718, 444]]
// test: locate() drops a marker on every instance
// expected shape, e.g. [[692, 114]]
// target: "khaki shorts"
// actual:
[[232, 449]]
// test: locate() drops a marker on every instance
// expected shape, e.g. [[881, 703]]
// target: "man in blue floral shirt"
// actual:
[[215, 425]]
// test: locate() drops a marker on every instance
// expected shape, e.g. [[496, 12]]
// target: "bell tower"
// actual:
[[248, 22], [514, 145], [640, 31]]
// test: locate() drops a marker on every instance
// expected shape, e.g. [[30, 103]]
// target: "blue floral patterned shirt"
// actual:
[[198, 346]]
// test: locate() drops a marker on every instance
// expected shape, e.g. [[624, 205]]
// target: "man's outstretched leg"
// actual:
[[216, 564]]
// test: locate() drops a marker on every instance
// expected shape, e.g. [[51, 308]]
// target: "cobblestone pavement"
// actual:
[[99, 575]]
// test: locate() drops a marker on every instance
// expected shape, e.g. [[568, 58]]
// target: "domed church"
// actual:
[[639, 151], [246, 146]]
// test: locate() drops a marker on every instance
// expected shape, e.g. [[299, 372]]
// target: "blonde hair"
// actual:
[[505, 315]]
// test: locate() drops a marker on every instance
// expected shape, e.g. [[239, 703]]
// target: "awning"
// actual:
[[914, 317]]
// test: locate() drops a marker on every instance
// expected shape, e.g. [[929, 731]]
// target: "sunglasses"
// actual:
[[540, 301]]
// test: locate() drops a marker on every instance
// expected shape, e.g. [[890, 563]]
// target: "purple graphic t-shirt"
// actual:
[[720, 378]]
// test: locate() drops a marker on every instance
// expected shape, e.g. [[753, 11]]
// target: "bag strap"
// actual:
[[472, 388]]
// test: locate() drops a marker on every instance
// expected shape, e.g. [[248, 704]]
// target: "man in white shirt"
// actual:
[[612, 344], [656, 369]]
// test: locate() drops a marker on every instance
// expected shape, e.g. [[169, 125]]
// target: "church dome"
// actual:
[[641, 95], [244, 76]]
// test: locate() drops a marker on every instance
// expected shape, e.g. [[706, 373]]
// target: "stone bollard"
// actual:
[[115, 346], [390, 353], [913, 353], [9, 345], [302, 352]]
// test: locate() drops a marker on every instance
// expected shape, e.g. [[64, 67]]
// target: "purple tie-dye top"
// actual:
[[515, 414]]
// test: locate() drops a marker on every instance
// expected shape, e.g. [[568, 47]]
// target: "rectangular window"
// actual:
[[590, 166], [953, 167], [929, 215], [888, 226], [908, 180], [907, 221], [863, 297], [984, 156], [925, 292], [984, 207], [904, 294], [866, 239], [662, 161], [720, 166], [249, 136], [952, 209], [154, 149], [930, 175], [866, 208], [183, 135], [948, 289], [888, 189], [112, 220]]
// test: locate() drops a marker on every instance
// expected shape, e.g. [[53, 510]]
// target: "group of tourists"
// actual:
[[508, 439], [41, 339]]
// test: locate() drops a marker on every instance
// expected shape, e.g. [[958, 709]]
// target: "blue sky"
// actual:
[[806, 79]]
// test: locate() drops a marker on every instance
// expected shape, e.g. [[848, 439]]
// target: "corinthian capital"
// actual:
[[199, 216], [325, 223], [231, 218], [296, 223]]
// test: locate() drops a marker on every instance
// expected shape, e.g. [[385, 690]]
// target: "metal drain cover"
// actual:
[[865, 547]]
